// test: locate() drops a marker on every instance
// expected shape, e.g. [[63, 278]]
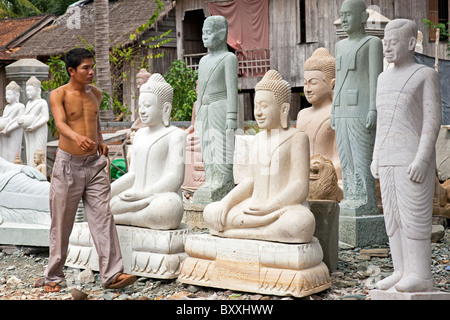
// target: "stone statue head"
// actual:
[[272, 94], [215, 32], [39, 156], [319, 76], [354, 16], [400, 39], [33, 88], [12, 91], [142, 77], [155, 101]]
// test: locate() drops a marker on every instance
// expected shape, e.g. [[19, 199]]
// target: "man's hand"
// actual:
[[85, 144], [103, 149]]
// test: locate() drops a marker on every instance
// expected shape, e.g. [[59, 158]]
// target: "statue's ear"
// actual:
[[412, 43], [167, 109], [364, 16], [284, 115]]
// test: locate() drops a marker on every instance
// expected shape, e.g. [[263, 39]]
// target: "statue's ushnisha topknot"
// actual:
[[272, 81], [157, 84], [322, 60]]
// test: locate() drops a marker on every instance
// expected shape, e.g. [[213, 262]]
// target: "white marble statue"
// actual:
[[10, 133], [404, 157], [24, 195], [270, 204], [149, 195], [34, 120]]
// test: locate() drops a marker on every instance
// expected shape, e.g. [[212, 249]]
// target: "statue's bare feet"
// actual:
[[390, 281], [413, 283]]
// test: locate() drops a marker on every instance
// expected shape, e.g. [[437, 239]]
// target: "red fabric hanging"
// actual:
[[248, 22]]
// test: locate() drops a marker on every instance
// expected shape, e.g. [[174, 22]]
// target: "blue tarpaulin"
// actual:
[[444, 75]]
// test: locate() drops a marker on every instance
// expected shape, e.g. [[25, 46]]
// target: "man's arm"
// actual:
[[59, 115], [102, 147]]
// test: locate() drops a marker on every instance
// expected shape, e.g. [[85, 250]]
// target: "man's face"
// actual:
[[351, 18], [317, 89], [210, 35], [395, 48], [84, 73]]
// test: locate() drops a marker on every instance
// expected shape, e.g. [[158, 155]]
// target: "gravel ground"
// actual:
[[356, 275]]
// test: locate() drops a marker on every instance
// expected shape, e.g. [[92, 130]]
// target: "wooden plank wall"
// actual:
[[288, 54]]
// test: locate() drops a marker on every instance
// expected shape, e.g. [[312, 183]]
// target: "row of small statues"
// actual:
[[19, 121]]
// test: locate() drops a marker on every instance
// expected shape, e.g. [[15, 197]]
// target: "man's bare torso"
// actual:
[[81, 114]]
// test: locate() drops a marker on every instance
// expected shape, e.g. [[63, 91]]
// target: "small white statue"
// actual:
[[404, 157], [10, 132], [149, 195], [34, 120], [39, 161]]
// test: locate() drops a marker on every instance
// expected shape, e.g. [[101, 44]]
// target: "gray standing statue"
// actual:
[[359, 61], [404, 158], [216, 111]]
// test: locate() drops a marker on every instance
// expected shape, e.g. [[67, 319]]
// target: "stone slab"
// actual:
[[255, 266], [392, 294], [193, 215], [145, 252], [362, 231], [24, 234]]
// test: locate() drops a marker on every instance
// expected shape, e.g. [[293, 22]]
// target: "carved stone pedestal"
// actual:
[[255, 266], [358, 229], [145, 252]]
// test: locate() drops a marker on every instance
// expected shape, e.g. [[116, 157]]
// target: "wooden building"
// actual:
[[76, 29], [13, 33], [296, 29]]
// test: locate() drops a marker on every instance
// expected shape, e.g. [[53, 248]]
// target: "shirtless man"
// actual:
[[78, 173]]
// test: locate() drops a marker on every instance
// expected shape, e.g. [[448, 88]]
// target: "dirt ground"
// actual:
[[358, 270]]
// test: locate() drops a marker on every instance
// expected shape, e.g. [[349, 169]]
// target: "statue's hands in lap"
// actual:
[[133, 195], [262, 209]]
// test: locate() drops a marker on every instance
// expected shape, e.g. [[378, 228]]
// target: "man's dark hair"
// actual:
[[75, 56]]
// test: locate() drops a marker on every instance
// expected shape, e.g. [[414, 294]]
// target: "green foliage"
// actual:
[[443, 30], [183, 81], [27, 8], [57, 69]]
